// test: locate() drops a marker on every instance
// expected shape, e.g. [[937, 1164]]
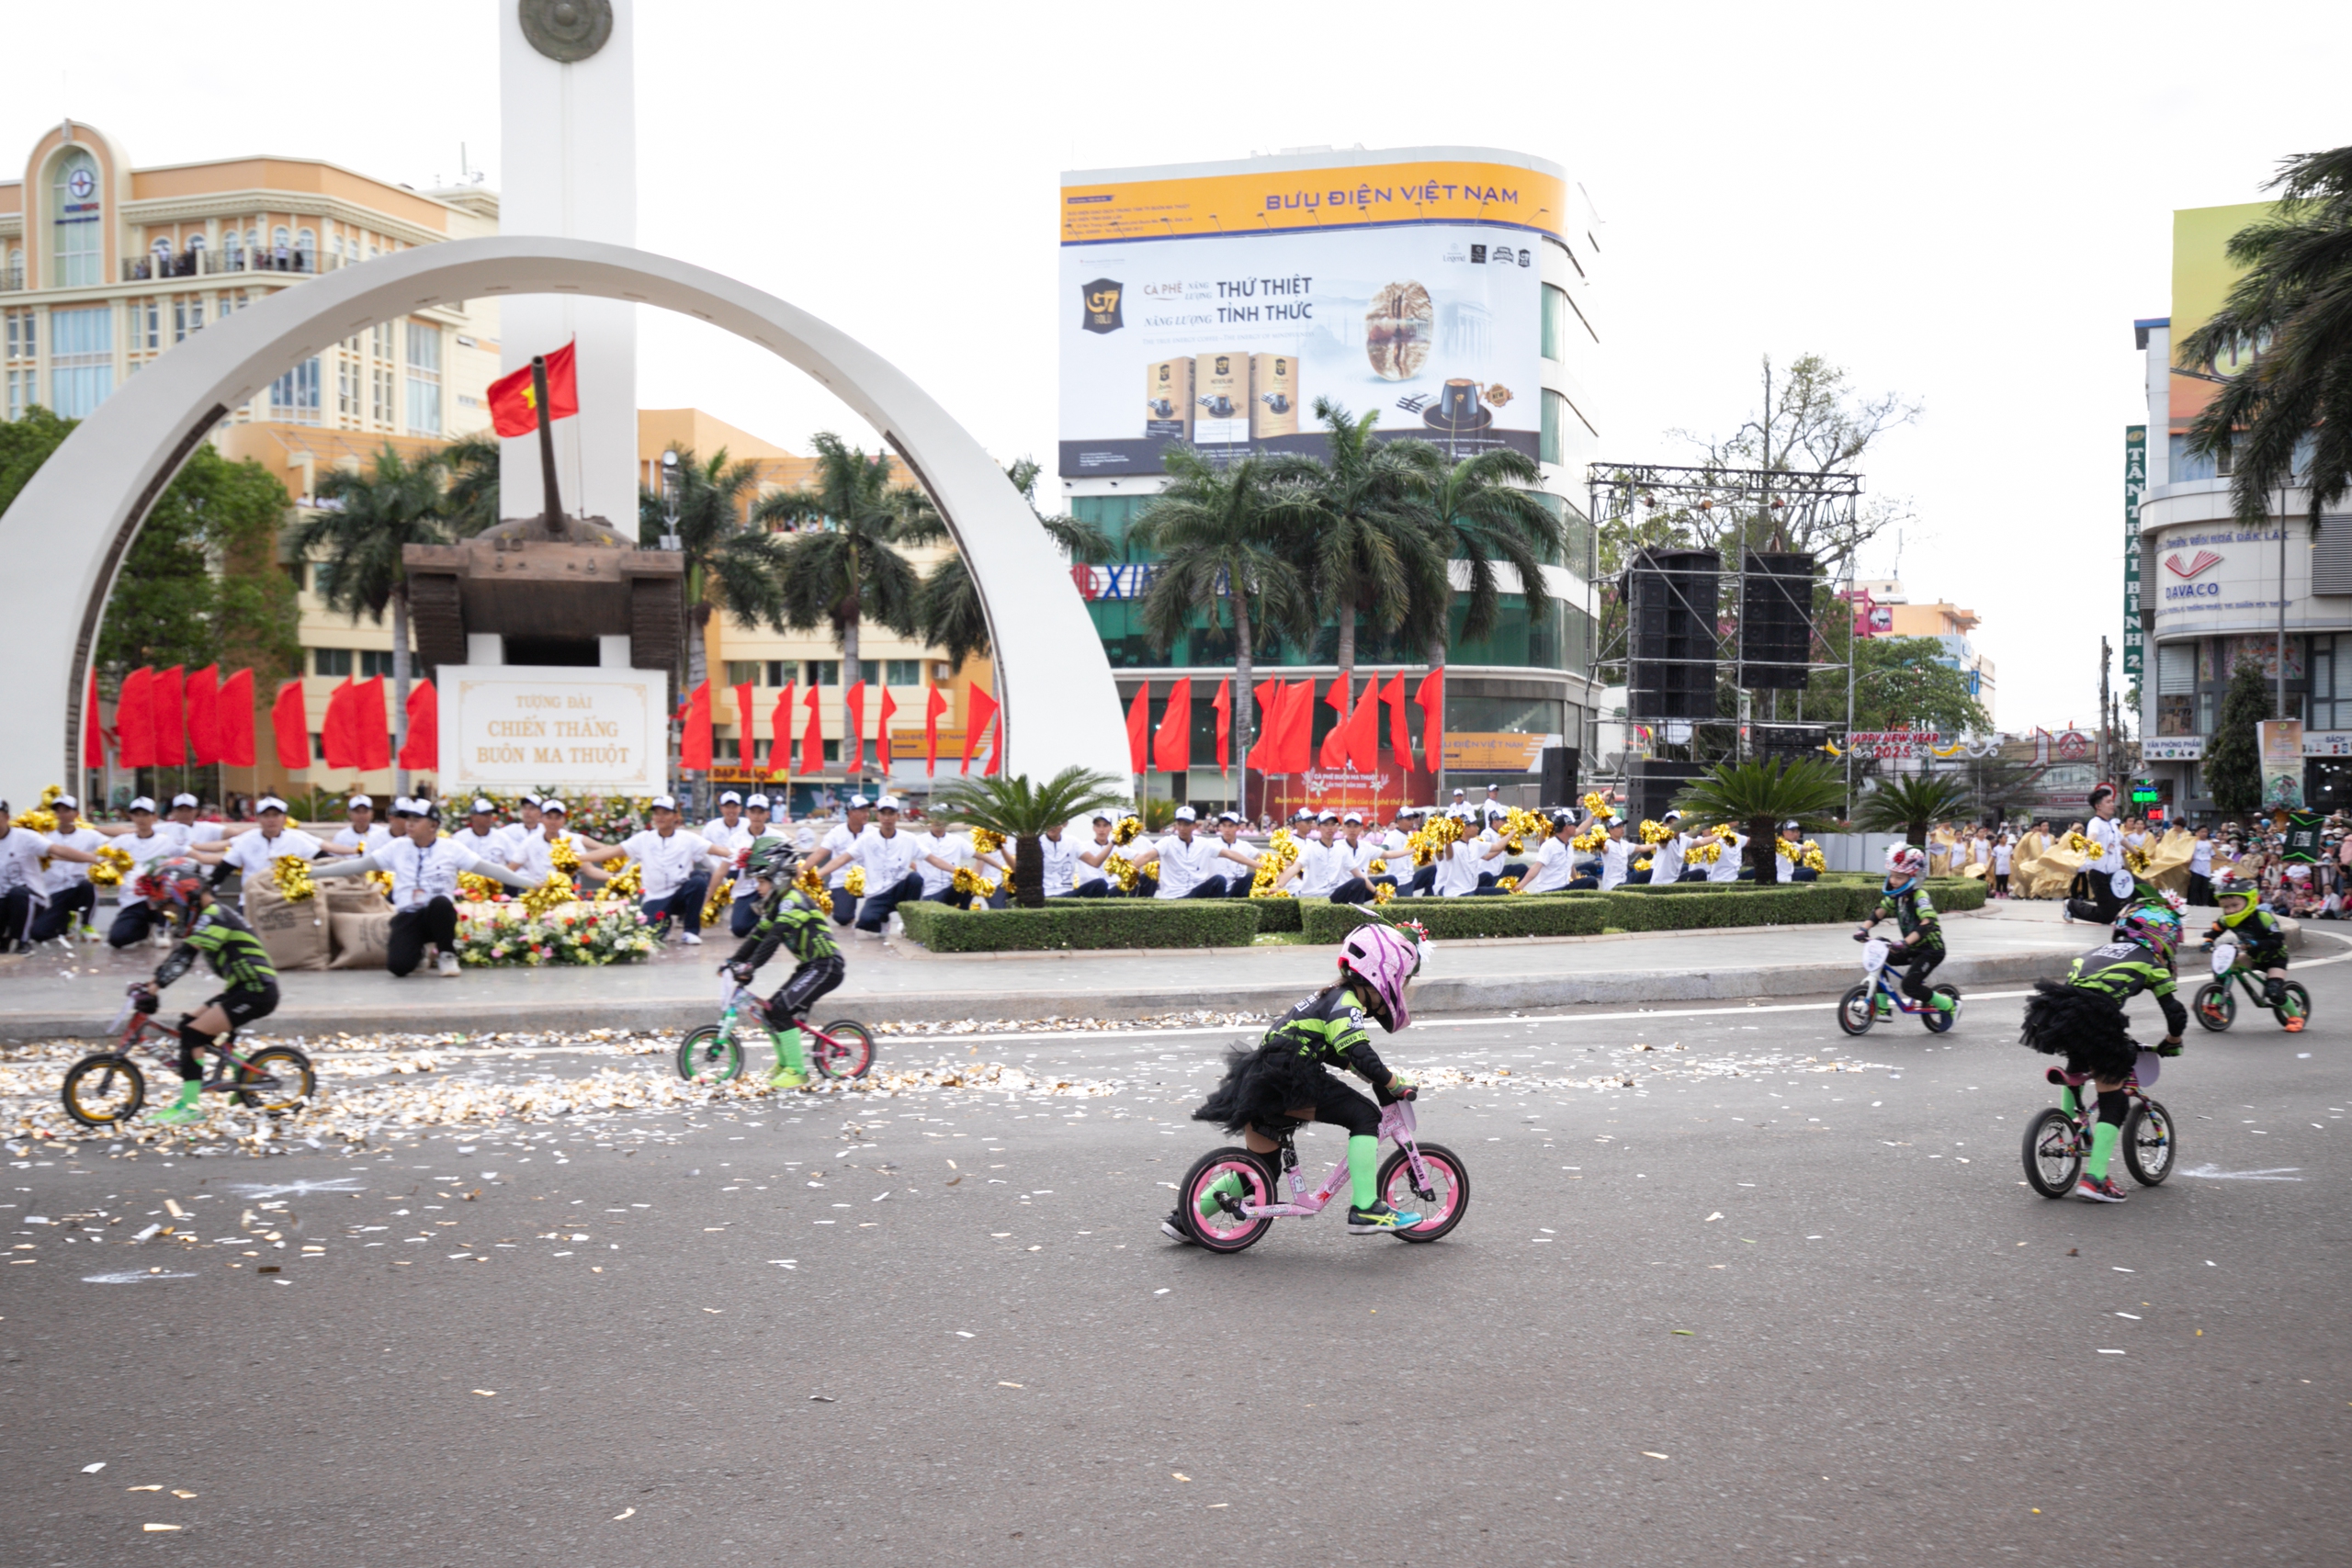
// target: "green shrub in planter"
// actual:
[[1958, 893], [1731, 905], [1280, 914], [1085, 923], [1539, 914]]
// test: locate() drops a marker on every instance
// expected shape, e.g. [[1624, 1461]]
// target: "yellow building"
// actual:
[[1894, 615]]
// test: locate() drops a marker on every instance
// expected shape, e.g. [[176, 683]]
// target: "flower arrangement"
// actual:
[[555, 891], [1813, 859], [1518, 826], [510, 931], [1384, 892], [475, 888], [1706, 851], [1596, 834], [381, 881], [1379, 867], [2136, 862], [1434, 840]]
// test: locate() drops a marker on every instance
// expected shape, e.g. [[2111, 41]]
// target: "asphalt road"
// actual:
[[1784, 1299]]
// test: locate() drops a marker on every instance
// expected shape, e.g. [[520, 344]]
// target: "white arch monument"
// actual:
[[68, 529]]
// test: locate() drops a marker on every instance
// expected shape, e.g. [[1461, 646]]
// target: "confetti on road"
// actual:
[[94, 1469], [625, 1513]]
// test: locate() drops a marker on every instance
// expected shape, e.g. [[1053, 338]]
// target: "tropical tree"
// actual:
[[472, 496], [1759, 796], [733, 565], [2233, 755], [1485, 512], [2286, 331], [368, 517], [1021, 812], [842, 567], [1912, 803], [1364, 525], [1900, 682], [949, 607], [1219, 550]]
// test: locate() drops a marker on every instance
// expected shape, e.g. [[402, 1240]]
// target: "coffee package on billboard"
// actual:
[[1167, 399], [1221, 398], [1274, 395]]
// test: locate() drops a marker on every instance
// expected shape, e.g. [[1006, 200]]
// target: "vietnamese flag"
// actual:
[[934, 705], [1400, 733], [1138, 727], [236, 721], [694, 741], [853, 729], [882, 731], [1431, 696], [204, 715], [743, 723], [780, 730], [1223, 704], [1333, 754], [1172, 744], [978, 715], [94, 734], [1262, 752], [339, 733], [510, 408], [812, 740], [288, 724], [373, 717], [422, 750]]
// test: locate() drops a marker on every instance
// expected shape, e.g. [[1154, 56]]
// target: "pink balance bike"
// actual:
[[1427, 1178]]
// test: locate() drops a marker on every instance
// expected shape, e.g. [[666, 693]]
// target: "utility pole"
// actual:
[[2106, 732]]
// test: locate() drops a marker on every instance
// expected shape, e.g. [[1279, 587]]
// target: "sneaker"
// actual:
[[1172, 1227], [1379, 1217], [2105, 1191], [179, 1115], [897, 926], [447, 966], [690, 939], [2294, 1024], [784, 1078]]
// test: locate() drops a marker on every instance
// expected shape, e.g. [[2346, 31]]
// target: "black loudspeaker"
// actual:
[[1776, 621], [1670, 634], [1559, 776], [1793, 742], [1656, 784]]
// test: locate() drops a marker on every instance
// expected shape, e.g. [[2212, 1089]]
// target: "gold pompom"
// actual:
[[381, 881], [628, 883], [812, 887], [1125, 833], [969, 884], [855, 883], [557, 889], [563, 857], [1384, 892], [112, 865], [473, 887], [984, 841], [292, 874]]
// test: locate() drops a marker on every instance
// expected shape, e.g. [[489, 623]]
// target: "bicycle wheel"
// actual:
[[847, 1052], [293, 1084], [1857, 1011], [1937, 1020], [1223, 1228], [1449, 1194], [2301, 1000], [2150, 1144], [708, 1054], [2053, 1154], [104, 1090], [2216, 1006]]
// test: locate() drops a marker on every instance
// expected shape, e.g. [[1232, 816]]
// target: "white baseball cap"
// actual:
[[142, 804], [266, 803], [1328, 817], [180, 800], [661, 803], [728, 795], [887, 803], [757, 803], [555, 805], [356, 802], [1351, 817], [68, 802], [529, 799], [483, 805], [1186, 814], [858, 803]]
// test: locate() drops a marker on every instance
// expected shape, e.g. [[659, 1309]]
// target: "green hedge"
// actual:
[[1282, 914], [1085, 923], [1958, 893], [1539, 914], [1641, 909]]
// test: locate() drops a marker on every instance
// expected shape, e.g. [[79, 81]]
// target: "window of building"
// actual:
[[152, 311], [832, 750], [346, 387], [294, 396], [17, 392], [75, 243], [373, 662], [2326, 711], [1555, 411], [383, 384], [744, 671], [232, 251], [423, 378], [306, 251], [1555, 322], [823, 672], [329, 661], [281, 248], [902, 672], [781, 672], [81, 360]]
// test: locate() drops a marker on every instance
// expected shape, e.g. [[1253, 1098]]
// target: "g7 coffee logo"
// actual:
[[1102, 301]]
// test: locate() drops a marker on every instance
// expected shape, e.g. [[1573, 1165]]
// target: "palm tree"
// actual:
[[1366, 525], [471, 462], [367, 518], [841, 567], [1910, 804], [1220, 550], [1487, 514], [1759, 796], [731, 564], [949, 608], [1021, 812], [2291, 314]]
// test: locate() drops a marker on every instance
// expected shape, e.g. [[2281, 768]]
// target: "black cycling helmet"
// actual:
[[773, 858]]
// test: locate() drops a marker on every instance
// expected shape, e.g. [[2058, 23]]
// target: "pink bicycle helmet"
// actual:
[[1908, 862], [1386, 959]]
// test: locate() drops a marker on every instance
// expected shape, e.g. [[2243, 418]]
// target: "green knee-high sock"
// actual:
[[1363, 1162], [2103, 1138], [2068, 1103], [787, 1050]]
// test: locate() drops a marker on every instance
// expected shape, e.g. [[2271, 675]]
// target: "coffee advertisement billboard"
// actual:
[[1409, 289]]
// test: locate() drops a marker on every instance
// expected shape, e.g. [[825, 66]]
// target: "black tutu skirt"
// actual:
[[1260, 1084], [2085, 1028]]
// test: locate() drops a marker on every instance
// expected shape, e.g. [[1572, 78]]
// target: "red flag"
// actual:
[[743, 723], [134, 736], [236, 721], [694, 741], [94, 734], [289, 725], [980, 713], [1400, 734], [882, 731], [1364, 731], [339, 733], [204, 715], [1139, 725], [423, 751], [996, 746], [780, 730], [853, 730], [1298, 749], [812, 738], [934, 705], [1223, 704], [373, 715], [1172, 747], [511, 409], [167, 714], [1333, 753], [1264, 751], [1431, 696]]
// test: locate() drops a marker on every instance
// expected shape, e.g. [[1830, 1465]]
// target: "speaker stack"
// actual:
[[1776, 621], [1655, 786], [1670, 598]]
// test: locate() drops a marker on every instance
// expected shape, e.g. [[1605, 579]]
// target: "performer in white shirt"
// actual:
[[182, 816], [1323, 861], [529, 817], [24, 882], [424, 869], [1554, 865], [1228, 836], [1616, 857], [69, 890], [257, 854], [2200, 869], [1363, 850], [1666, 857], [889, 856], [1186, 859], [1458, 863], [146, 839], [364, 834], [743, 913], [1726, 864], [720, 830], [1088, 879], [1061, 863], [676, 867], [2107, 883], [481, 835], [837, 852], [535, 856], [2005, 850]]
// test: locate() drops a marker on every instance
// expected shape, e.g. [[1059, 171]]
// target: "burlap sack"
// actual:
[[360, 937], [353, 892], [294, 935]]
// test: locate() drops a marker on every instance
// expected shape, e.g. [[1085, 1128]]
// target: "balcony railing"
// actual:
[[152, 267]]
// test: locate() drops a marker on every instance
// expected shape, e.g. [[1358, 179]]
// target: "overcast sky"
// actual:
[[1967, 205]]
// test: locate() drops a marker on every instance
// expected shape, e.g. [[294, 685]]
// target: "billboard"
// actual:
[[1213, 308]]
